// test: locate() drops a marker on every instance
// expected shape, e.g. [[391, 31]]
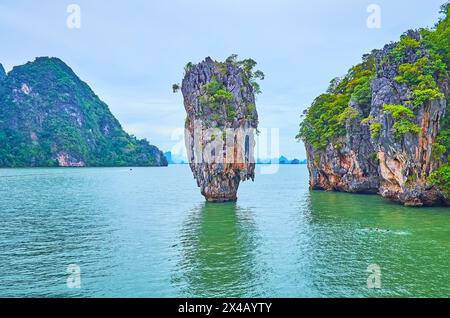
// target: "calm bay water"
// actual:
[[149, 233]]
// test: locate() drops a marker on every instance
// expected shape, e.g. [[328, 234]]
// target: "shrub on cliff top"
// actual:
[[217, 98], [405, 43], [250, 75]]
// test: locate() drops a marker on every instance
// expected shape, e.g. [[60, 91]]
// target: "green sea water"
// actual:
[[147, 232]]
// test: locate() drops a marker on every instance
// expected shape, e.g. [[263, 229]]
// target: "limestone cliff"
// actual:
[[384, 127], [221, 123], [2, 73]]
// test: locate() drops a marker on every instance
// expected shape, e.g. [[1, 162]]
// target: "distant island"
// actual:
[[173, 159], [282, 161], [50, 118]]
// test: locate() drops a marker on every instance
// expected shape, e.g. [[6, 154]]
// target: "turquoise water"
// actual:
[[148, 233]]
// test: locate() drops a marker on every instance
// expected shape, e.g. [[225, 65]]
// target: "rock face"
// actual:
[[49, 117], [220, 126], [383, 127], [348, 165], [2, 73], [405, 164]]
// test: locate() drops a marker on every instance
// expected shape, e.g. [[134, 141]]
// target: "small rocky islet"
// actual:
[[221, 123]]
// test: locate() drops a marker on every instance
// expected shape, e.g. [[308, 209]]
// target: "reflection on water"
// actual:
[[354, 231], [148, 233], [219, 242]]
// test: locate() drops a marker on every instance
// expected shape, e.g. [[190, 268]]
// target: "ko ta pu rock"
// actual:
[[221, 123]]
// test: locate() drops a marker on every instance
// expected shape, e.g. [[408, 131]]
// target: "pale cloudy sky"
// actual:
[[130, 52]]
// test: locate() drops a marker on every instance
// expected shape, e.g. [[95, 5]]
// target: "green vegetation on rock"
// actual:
[[402, 117], [406, 43], [421, 78], [325, 119], [438, 42], [375, 130], [441, 179], [216, 99]]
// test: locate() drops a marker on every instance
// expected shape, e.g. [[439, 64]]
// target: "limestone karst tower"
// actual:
[[221, 124]]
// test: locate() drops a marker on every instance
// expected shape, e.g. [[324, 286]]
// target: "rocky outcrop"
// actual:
[[405, 163], [2, 73], [389, 141], [220, 126], [347, 165]]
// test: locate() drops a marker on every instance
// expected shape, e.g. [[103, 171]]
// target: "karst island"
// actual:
[[221, 123]]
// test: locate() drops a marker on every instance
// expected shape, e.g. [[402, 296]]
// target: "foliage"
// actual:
[[231, 112], [437, 40], [424, 95], [325, 119], [218, 99], [175, 88], [438, 151], [216, 96], [402, 117], [438, 43], [188, 67], [375, 130], [213, 86], [250, 76], [406, 43], [441, 179], [350, 113], [399, 111], [420, 78]]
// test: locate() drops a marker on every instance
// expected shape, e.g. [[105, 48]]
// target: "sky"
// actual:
[[131, 52]]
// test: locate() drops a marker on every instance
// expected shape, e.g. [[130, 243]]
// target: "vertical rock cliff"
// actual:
[[221, 122], [2, 73], [384, 127]]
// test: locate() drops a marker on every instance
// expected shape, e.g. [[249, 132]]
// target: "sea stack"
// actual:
[[221, 123]]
